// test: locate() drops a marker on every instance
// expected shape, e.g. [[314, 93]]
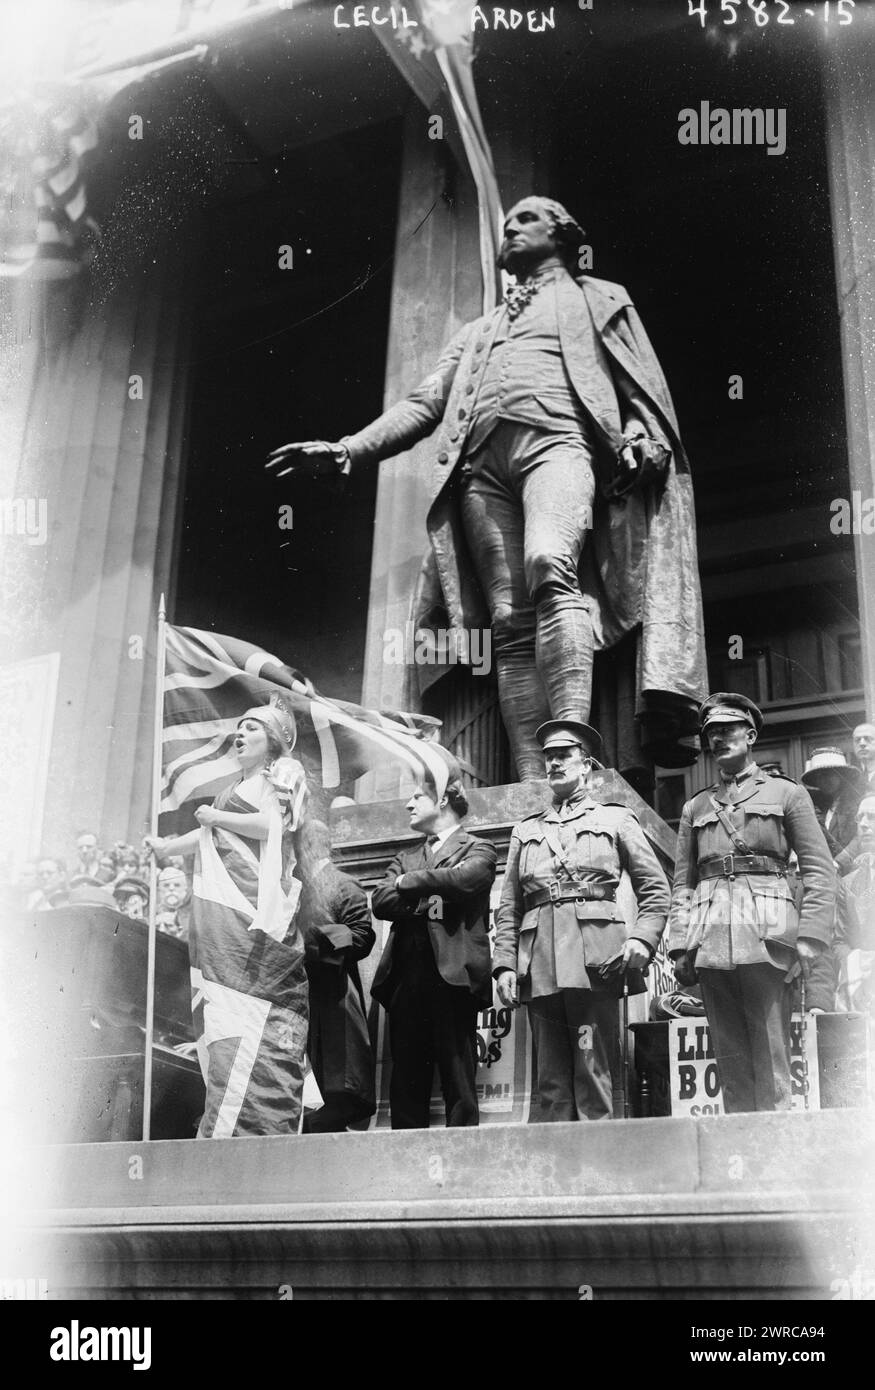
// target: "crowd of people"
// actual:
[[117, 877], [774, 886]]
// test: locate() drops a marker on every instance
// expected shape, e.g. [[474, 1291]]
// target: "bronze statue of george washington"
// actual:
[[561, 507]]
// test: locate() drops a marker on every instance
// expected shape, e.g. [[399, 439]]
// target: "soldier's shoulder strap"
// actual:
[[551, 835], [528, 827], [704, 791]]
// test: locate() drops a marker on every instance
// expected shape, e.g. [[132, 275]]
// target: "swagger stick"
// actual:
[[625, 1048], [153, 870], [804, 1038]]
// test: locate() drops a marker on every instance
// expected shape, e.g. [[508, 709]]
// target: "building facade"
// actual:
[[143, 394]]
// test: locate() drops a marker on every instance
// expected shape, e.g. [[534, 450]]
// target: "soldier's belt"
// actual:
[[728, 865], [570, 893]]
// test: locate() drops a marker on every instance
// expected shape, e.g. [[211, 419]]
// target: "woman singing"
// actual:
[[249, 986]]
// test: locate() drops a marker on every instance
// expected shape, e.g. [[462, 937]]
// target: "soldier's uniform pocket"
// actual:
[[530, 852], [777, 918], [526, 944], [597, 849], [709, 835], [602, 933], [700, 911], [764, 828]]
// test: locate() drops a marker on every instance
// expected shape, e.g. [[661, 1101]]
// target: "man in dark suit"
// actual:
[[435, 973], [561, 507]]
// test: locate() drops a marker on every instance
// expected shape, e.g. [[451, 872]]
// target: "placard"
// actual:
[[694, 1079]]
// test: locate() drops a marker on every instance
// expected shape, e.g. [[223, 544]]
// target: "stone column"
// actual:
[[99, 429], [436, 288], [849, 66]]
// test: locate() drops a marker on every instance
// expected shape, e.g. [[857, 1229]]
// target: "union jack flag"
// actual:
[[209, 683]]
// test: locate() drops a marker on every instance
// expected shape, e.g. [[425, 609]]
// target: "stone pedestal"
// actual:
[[740, 1207]]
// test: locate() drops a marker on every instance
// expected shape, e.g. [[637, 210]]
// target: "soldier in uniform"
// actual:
[[559, 922], [734, 922]]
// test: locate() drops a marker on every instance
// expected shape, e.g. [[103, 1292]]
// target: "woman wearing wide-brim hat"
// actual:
[[835, 789]]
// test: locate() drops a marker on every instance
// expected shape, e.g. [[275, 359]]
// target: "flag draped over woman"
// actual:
[[249, 989], [249, 986]]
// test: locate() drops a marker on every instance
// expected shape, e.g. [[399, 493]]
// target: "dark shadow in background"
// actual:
[[285, 355], [726, 251]]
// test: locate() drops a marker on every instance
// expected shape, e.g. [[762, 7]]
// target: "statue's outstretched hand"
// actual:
[[312, 457]]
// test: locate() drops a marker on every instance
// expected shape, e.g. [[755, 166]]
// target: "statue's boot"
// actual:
[[524, 706], [564, 654]]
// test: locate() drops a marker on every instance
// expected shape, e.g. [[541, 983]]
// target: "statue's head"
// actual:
[[536, 228]]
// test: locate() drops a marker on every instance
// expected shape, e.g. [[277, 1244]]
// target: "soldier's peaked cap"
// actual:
[[568, 733], [728, 707]]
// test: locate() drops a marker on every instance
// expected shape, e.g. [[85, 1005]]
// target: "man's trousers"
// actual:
[[576, 1034], [748, 1011], [431, 1024]]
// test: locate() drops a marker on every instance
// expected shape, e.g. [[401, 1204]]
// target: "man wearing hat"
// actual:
[[88, 891], [559, 924], [835, 788], [734, 920], [434, 975], [132, 896]]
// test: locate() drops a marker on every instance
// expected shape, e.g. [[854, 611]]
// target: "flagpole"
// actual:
[[153, 868]]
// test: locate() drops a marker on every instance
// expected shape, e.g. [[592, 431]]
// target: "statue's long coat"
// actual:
[[639, 567]]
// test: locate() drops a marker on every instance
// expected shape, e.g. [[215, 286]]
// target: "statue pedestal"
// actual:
[[366, 836], [737, 1207]]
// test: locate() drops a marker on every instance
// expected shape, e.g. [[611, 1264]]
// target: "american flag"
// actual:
[[209, 683], [47, 231]]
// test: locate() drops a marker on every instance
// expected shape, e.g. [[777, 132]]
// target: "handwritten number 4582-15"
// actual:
[[729, 11]]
